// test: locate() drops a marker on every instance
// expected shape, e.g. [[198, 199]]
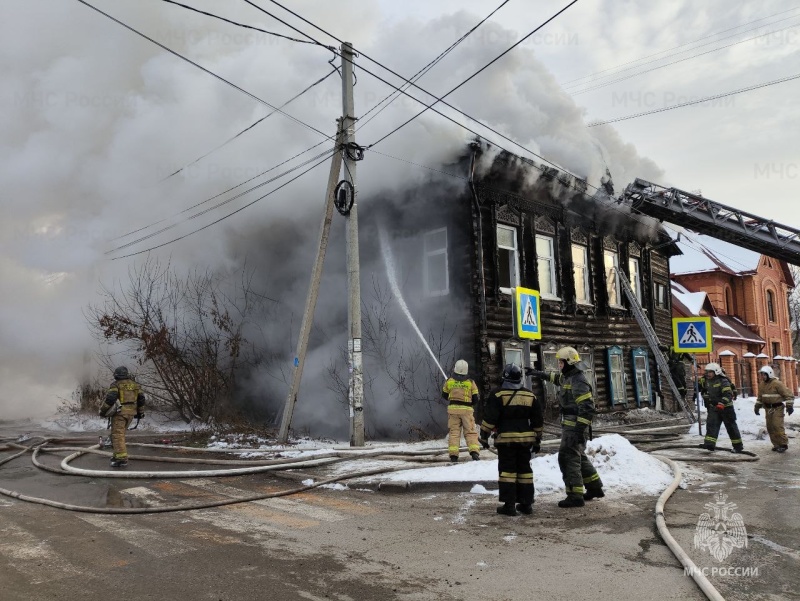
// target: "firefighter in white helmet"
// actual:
[[718, 396], [772, 395], [577, 410], [461, 394]]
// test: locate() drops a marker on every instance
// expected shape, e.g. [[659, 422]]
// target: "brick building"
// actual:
[[746, 295]]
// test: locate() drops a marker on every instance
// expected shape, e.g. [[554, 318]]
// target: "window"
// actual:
[[435, 273], [508, 274], [546, 265], [641, 370], [776, 349], [551, 364], [770, 306], [512, 353], [580, 272], [616, 376], [729, 302], [611, 261], [587, 357], [661, 295], [636, 278]]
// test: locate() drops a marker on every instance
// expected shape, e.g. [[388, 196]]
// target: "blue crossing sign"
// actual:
[[692, 334], [527, 317]]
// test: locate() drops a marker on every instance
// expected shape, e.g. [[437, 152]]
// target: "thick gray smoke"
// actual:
[[93, 117]]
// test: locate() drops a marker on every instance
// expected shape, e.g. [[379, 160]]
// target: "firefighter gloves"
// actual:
[[789, 409], [484, 442], [720, 407], [758, 411]]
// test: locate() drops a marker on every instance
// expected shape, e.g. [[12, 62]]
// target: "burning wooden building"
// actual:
[[516, 223]]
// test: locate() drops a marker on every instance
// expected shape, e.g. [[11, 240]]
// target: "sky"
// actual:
[[94, 118]]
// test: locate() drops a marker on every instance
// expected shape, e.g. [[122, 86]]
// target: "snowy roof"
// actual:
[[762, 356], [749, 355], [703, 254], [728, 327], [690, 303], [727, 354]]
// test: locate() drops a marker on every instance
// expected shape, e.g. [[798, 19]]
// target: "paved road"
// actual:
[[360, 544]]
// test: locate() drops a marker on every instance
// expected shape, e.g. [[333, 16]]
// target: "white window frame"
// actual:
[[635, 270], [513, 267], [426, 256], [551, 266], [611, 272], [587, 293], [658, 287]]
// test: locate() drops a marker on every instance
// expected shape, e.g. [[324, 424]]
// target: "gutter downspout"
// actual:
[[480, 239]]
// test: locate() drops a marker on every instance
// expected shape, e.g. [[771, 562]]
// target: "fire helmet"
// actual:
[[461, 368], [714, 367], [121, 373], [767, 370], [568, 354], [512, 373]]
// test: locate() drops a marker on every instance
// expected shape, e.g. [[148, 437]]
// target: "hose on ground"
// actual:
[[661, 523]]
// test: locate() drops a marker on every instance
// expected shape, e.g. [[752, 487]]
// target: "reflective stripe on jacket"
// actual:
[[716, 391], [515, 414], [574, 398], [460, 393], [773, 392]]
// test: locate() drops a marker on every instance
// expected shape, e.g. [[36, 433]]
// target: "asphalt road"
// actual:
[[362, 544]]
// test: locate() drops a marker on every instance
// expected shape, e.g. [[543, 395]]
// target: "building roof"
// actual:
[[690, 304], [728, 327], [703, 253]]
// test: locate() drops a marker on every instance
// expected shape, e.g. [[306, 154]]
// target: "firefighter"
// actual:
[[772, 393], [461, 394], [581, 480], [124, 400], [718, 397], [516, 415], [677, 368]]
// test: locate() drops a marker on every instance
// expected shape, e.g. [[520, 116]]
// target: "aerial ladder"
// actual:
[[652, 340], [714, 219]]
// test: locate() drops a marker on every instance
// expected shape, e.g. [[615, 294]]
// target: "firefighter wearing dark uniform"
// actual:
[[577, 410], [677, 368], [717, 394], [461, 394], [515, 413], [772, 394], [124, 400]]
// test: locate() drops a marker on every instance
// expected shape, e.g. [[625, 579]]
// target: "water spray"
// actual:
[[388, 259]]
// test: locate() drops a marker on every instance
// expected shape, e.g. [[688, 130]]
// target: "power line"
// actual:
[[438, 112], [422, 72], [225, 216], [191, 62], [698, 101], [272, 33], [249, 127], [607, 83], [219, 204], [565, 84]]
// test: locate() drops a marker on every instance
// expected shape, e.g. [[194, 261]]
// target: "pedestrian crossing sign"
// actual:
[[691, 334], [526, 314]]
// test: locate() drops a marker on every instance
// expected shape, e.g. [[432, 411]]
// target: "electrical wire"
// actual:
[[272, 33], [438, 112], [565, 84], [698, 101], [225, 216], [251, 126], [219, 77], [223, 192], [608, 83], [422, 72]]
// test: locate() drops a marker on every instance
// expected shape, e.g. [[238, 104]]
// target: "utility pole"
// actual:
[[356, 383], [313, 289]]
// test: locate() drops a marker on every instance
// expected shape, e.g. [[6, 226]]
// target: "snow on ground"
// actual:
[[754, 427], [623, 468], [84, 422]]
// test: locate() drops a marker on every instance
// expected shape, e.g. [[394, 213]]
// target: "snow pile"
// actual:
[[623, 469], [754, 427]]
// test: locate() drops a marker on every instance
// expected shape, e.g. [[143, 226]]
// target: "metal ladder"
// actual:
[[652, 340]]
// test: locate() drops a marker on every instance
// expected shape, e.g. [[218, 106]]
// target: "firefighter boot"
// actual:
[[781, 449], [571, 501], [593, 494], [507, 509], [526, 508], [475, 456], [454, 458], [119, 463]]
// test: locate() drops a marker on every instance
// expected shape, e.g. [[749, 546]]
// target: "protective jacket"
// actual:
[[130, 397], [716, 391], [460, 391], [772, 393], [516, 414], [574, 398]]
